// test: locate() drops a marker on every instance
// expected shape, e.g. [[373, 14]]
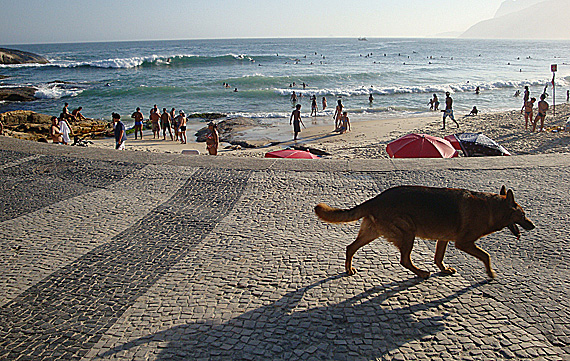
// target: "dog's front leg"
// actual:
[[440, 248], [472, 249]]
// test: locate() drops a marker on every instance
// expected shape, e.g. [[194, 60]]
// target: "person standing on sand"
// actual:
[[154, 119], [337, 114], [567, 96], [120, 132], [528, 112], [324, 103], [542, 109], [295, 119], [448, 112], [138, 117], [165, 124], [182, 126], [314, 107], [174, 123], [212, 139]]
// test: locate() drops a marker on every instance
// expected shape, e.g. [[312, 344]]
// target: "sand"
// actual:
[[368, 139]]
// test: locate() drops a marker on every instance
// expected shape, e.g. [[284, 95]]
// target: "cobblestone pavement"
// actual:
[[147, 261]]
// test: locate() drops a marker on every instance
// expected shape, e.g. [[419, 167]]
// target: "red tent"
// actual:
[[420, 146], [291, 153]]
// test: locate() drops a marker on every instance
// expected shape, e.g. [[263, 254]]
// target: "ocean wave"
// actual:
[[428, 89], [151, 60], [56, 91]]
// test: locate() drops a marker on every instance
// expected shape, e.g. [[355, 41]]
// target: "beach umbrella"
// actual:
[[420, 146], [291, 153], [476, 145]]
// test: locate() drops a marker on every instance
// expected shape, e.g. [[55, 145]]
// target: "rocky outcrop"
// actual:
[[25, 124], [11, 56], [18, 94]]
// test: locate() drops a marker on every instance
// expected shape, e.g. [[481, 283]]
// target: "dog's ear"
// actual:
[[503, 191], [510, 198]]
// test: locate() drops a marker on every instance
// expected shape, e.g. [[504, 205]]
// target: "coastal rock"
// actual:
[[18, 94], [11, 56], [227, 129], [25, 124]]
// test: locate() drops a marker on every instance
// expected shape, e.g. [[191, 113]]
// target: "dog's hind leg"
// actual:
[[472, 249], [440, 247], [367, 234], [405, 245]]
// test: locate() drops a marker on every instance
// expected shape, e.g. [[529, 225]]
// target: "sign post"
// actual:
[[553, 69]]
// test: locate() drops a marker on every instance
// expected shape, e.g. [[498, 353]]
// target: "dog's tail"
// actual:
[[335, 215]]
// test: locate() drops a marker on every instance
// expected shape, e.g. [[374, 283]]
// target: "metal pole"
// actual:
[[553, 94]]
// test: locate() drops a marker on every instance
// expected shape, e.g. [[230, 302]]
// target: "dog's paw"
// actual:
[[351, 271], [448, 271], [423, 274]]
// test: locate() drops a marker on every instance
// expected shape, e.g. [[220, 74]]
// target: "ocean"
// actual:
[[401, 74]]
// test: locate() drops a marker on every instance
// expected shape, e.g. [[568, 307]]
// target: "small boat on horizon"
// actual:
[[362, 39]]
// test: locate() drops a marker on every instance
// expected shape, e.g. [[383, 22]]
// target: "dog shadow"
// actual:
[[361, 327]]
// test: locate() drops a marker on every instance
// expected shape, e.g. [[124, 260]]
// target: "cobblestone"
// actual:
[[227, 263]]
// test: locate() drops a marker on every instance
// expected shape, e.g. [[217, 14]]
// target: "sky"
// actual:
[[62, 21]]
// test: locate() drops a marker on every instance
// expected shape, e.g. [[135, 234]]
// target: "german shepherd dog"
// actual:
[[401, 214]]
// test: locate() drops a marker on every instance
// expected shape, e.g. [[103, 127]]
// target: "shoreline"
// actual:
[[368, 138]]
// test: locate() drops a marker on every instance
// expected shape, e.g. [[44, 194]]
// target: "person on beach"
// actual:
[[526, 95], [567, 96], [435, 103], [430, 103], [528, 112], [314, 107], [65, 112], [448, 112], [337, 114], [54, 131], [138, 117], [324, 101], [120, 132], [293, 97], [174, 123], [65, 129], [542, 109], [212, 139], [477, 91], [344, 123], [77, 114], [295, 119], [154, 119], [181, 118], [474, 111], [165, 121]]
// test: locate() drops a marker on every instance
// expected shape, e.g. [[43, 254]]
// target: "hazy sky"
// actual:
[[56, 21]]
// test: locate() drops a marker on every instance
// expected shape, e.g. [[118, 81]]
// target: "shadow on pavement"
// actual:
[[361, 327]]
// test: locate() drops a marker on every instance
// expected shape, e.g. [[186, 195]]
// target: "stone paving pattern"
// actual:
[[228, 262]]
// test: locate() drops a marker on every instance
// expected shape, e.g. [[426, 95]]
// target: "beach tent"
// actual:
[[291, 153], [420, 146], [476, 145]]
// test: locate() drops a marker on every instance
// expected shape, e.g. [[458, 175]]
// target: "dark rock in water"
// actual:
[[226, 128], [18, 94], [209, 116], [11, 56]]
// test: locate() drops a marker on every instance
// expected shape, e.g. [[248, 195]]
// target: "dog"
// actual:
[[401, 214]]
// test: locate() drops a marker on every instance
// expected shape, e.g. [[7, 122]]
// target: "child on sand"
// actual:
[[344, 123], [295, 119]]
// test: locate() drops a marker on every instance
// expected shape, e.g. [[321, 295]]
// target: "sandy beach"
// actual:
[[368, 138]]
